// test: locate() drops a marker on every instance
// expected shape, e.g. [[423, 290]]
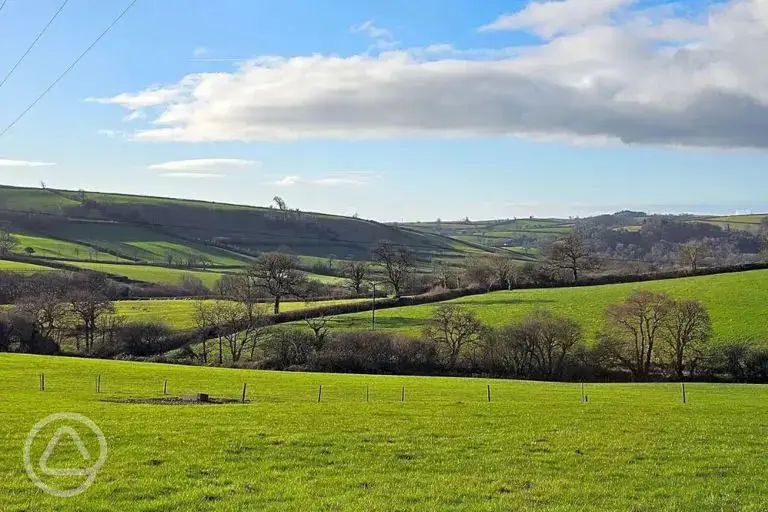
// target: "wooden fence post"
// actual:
[[165, 387], [320, 393], [402, 394], [245, 387], [685, 399], [98, 383], [489, 392]]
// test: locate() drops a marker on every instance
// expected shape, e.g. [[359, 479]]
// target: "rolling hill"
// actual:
[[97, 230], [736, 304]]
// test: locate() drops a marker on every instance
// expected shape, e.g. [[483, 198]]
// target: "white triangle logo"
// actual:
[[52, 446]]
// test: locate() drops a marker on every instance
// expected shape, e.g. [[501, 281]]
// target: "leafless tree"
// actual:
[[632, 329], [88, 301], [320, 330], [763, 233], [212, 314], [479, 270], [549, 339], [453, 328], [356, 273], [277, 274], [7, 241], [572, 253], [88, 306], [505, 271], [687, 330], [242, 327], [280, 203], [691, 253], [398, 263]]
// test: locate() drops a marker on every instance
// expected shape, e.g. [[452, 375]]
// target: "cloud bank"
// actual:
[[603, 70], [24, 163]]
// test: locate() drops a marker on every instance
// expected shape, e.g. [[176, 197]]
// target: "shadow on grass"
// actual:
[[383, 322]]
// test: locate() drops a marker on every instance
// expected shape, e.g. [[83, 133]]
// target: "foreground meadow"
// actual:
[[534, 446]]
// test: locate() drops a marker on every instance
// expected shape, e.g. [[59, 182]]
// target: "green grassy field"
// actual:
[[736, 302], [53, 248], [16, 266], [150, 274], [180, 314], [534, 447]]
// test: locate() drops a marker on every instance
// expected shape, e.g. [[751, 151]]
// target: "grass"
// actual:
[[736, 304], [150, 274], [53, 248], [180, 313], [16, 266], [535, 447]]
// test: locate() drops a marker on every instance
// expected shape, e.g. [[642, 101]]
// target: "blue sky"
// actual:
[[399, 109]]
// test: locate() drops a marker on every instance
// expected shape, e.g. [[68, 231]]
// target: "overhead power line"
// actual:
[[29, 49], [66, 71], [2, 4]]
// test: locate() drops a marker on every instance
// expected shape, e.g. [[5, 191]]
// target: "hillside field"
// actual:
[[150, 274], [180, 313], [535, 446], [17, 266], [737, 304]]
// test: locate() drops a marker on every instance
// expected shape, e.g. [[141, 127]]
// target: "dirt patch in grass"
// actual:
[[177, 400]]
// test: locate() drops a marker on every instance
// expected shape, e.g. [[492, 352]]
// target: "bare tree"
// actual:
[[479, 270], [691, 253], [242, 326], [48, 311], [89, 301], [280, 203], [398, 263], [211, 314], [572, 253], [320, 329], [687, 330], [549, 339], [505, 271], [277, 274], [356, 273], [763, 233], [454, 328], [7, 241], [632, 329], [88, 306]]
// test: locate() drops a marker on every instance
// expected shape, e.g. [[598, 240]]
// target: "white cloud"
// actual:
[[204, 165], [203, 175], [135, 115], [548, 18], [201, 51], [114, 134], [24, 163], [383, 37], [335, 179], [608, 74]]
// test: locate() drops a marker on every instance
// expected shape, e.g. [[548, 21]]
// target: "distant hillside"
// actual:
[[113, 227]]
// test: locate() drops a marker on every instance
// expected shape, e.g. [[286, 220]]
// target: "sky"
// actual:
[[395, 110]]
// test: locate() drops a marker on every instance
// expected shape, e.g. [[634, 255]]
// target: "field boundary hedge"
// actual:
[[185, 338]]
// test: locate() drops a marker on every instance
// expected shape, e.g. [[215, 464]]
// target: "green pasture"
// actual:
[[150, 274], [737, 303], [535, 446], [180, 313], [17, 266], [54, 248]]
